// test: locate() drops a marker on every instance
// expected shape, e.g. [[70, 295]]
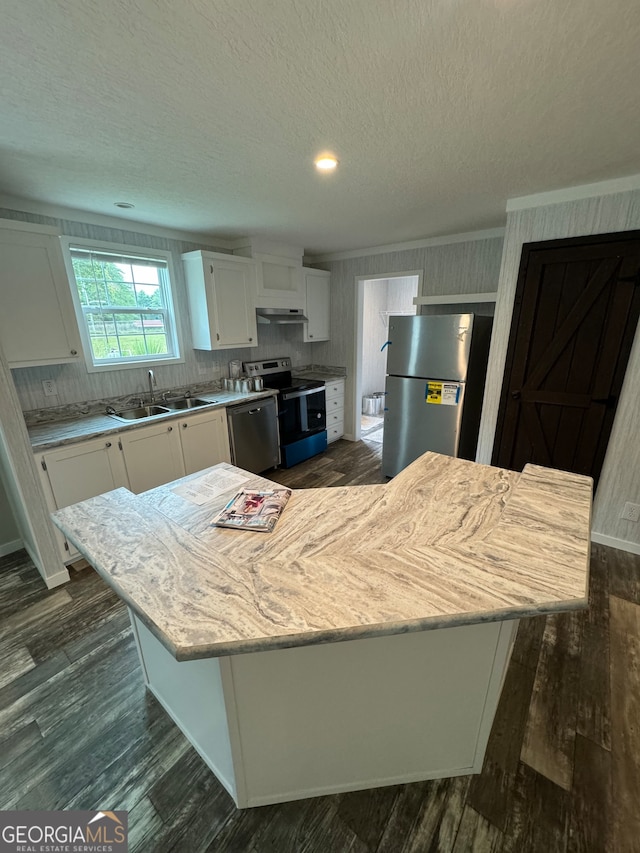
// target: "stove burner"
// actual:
[[277, 374]]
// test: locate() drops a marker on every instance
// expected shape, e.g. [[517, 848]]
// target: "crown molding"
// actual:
[[84, 216], [426, 243], [616, 185]]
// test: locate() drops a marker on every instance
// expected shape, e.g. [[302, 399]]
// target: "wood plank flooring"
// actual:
[[562, 772]]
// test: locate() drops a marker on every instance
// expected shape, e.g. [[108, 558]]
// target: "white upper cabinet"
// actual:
[[37, 322], [221, 291], [280, 283], [317, 285], [279, 273]]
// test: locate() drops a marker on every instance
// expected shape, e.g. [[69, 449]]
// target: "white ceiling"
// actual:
[[207, 114]]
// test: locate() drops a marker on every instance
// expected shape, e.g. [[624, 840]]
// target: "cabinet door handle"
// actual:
[[169, 429], [74, 352], [310, 336], [184, 426], [107, 444], [250, 339]]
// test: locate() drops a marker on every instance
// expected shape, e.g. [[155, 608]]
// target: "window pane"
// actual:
[[149, 297], [112, 282], [127, 335], [144, 274]]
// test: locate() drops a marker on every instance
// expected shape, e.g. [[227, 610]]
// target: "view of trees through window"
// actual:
[[124, 304]]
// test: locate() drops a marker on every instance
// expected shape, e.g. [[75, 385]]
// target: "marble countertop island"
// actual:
[[445, 543]]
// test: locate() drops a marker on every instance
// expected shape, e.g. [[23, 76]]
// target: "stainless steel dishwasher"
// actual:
[[253, 435]]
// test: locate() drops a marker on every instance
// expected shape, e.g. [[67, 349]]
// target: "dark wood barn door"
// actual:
[[575, 315]]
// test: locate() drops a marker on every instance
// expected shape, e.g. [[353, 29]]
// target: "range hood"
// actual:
[[281, 315]]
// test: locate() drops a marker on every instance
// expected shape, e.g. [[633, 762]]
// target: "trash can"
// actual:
[[379, 398], [369, 404]]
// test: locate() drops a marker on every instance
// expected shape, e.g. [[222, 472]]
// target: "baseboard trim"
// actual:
[[10, 547], [612, 542], [57, 580]]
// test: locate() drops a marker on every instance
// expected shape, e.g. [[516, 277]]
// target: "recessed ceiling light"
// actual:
[[326, 163], [125, 205]]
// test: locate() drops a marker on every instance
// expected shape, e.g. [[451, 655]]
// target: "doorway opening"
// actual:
[[378, 298]]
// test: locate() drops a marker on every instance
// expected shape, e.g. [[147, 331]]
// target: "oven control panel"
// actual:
[[264, 368]]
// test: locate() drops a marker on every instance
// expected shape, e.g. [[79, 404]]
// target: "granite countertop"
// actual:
[[323, 374], [445, 543], [56, 433]]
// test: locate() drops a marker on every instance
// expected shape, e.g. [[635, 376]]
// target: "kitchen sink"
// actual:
[[186, 403], [140, 413]]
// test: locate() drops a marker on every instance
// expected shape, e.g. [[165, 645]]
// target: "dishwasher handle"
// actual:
[[254, 411]]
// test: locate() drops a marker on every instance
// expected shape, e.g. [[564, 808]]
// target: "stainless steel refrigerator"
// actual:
[[436, 368]]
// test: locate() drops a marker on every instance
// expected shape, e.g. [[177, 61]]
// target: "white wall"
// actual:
[[382, 297], [10, 539], [620, 479], [75, 385], [464, 267], [374, 334]]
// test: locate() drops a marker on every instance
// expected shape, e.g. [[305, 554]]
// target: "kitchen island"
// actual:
[[362, 643]]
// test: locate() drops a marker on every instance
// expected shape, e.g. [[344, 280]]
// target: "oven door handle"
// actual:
[[293, 395]]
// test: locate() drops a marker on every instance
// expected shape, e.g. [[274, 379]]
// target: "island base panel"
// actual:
[[283, 725], [191, 693]]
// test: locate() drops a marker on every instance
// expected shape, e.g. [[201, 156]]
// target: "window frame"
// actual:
[[174, 332]]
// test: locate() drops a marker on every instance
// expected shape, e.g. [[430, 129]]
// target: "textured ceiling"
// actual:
[[207, 114]]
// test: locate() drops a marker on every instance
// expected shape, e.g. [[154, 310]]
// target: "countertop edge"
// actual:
[[368, 632]]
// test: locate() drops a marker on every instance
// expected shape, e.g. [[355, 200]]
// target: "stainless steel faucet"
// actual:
[[152, 382]]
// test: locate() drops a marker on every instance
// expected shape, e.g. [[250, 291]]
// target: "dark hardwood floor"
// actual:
[[562, 772]]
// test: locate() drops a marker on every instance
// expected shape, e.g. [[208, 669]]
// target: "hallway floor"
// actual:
[[371, 427]]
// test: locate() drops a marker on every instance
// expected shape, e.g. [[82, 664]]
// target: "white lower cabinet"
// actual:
[[205, 440], [152, 455], [334, 392], [80, 471], [138, 459]]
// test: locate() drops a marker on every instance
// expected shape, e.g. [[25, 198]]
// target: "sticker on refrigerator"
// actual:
[[443, 393]]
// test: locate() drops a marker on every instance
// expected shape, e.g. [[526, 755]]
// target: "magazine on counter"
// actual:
[[253, 510]]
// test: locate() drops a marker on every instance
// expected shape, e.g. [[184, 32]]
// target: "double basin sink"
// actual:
[[168, 407]]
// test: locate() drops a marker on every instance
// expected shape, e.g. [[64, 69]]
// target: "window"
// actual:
[[124, 306]]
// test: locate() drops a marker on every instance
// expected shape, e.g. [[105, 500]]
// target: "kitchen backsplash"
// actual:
[[90, 407], [74, 385]]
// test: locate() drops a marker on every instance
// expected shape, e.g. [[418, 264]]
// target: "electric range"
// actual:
[[302, 414]]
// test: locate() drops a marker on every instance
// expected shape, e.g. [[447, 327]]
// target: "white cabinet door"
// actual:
[[205, 440], [221, 292], [318, 290], [280, 283], [80, 471], [152, 455], [37, 320], [334, 392]]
